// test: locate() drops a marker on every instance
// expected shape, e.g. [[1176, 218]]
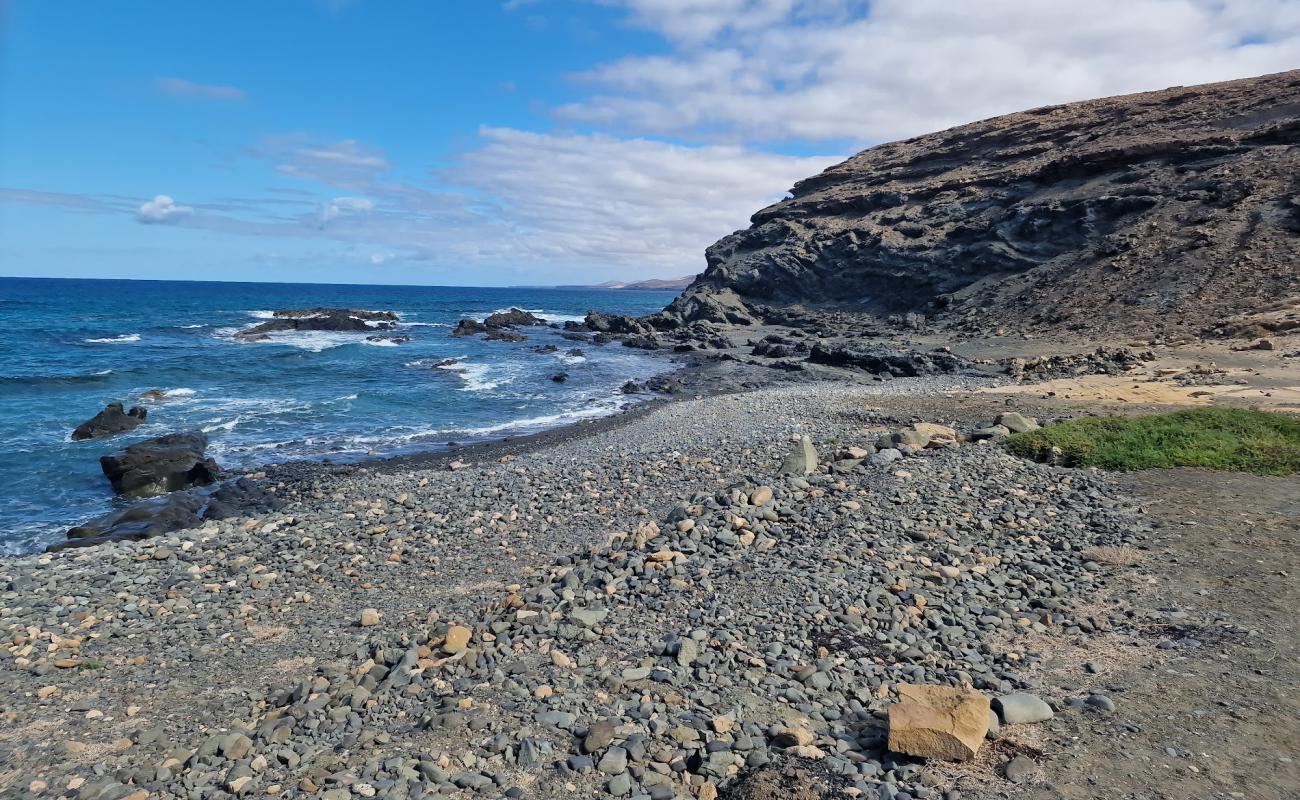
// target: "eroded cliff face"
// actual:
[[1159, 211]]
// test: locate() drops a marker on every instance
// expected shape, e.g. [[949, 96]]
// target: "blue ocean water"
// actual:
[[68, 347]]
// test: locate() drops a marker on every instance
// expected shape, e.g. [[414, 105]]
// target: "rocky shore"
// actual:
[[670, 607]]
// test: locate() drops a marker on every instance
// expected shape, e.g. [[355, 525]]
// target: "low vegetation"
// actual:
[[1236, 439]]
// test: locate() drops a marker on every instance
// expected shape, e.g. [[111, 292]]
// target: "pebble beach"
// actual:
[[675, 604]]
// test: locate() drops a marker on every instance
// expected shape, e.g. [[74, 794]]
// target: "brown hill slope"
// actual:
[[1163, 211]]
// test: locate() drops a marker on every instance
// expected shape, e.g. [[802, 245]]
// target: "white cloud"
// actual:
[[602, 199], [161, 209], [179, 87], [341, 206], [759, 70]]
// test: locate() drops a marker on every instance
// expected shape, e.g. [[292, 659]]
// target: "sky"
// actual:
[[516, 142]]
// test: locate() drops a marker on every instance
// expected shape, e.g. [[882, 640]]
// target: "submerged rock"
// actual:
[[110, 422]]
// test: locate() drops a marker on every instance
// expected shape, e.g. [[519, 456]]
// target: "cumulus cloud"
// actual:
[[161, 209], [819, 70], [179, 87]]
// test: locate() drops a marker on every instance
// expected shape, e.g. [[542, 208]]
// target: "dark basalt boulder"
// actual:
[[560, 377], [642, 342], [469, 327], [347, 320], [615, 323], [110, 422], [504, 336], [161, 465], [886, 361], [546, 348], [174, 512], [515, 317], [393, 339]]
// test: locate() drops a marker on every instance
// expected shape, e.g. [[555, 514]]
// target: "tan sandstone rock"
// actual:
[[938, 722]]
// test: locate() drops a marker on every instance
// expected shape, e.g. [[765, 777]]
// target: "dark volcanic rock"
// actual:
[[161, 465], [1164, 211], [888, 361], [143, 520], [614, 323], [494, 335], [239, 498], [323, 319], [515, 317], [111, 421], [469, 327]]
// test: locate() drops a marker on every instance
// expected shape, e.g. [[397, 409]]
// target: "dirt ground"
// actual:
[[1218, 715]]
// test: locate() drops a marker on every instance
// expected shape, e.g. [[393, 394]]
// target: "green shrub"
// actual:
[[1237, 439]]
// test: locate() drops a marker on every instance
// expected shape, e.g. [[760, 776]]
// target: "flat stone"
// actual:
[[1022, 708]]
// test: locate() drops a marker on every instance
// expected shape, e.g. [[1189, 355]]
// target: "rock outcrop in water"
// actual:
[[160, 465], [110, 422], [1164, 211], [348, 320]]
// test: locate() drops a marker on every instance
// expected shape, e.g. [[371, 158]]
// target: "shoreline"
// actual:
[[576, 570]]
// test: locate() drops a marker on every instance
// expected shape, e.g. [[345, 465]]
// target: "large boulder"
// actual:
[[144, 520], [161, 465], [110, 422], [941, 722], [515, 317]]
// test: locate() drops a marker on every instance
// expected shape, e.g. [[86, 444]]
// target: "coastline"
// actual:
[[177, 663]]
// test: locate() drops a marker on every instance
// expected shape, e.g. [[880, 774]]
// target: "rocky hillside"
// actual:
[[1165, 211]]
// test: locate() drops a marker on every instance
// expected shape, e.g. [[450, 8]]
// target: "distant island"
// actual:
[[652, 283]]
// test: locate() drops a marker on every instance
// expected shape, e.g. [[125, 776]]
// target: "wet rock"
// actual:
[[110, 422], [160, 465], [143, 520]]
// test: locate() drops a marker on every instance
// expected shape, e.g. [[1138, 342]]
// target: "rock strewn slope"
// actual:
[[1165, 210]]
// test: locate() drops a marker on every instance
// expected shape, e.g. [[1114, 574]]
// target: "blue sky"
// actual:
[[518, 142]]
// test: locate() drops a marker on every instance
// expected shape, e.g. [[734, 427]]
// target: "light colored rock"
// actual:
[[1016, 423], [369, 617], [761, 496], [941, 722], [1022, 708], [940, 435], [456, 640]]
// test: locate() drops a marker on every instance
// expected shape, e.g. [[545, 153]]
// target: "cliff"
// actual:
[[1163, 211]]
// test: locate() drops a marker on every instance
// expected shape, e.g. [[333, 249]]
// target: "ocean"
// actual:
[[68, 347]]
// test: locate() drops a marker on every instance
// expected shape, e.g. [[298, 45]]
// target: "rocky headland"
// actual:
[[1160, 213]]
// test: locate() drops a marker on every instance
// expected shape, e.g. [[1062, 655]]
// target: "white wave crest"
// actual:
[[123, 339], [474, 376]]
